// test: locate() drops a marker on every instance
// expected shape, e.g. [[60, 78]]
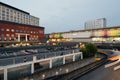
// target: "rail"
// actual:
[[79, 72]]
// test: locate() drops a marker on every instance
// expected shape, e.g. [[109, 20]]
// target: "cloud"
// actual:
[[65, 15]]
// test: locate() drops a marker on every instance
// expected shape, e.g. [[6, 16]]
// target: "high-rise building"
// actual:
[[12, 14], [94, 24]]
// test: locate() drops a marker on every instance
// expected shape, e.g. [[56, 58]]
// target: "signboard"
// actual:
[[113, 32]]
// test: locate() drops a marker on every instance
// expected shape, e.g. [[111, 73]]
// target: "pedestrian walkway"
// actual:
[[59, 70]]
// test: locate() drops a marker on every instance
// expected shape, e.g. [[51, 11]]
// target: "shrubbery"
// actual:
[[89, 50]]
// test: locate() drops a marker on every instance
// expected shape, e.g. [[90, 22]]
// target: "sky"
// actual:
[[67, 15]]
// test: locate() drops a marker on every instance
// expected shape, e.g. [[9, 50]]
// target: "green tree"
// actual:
[[89, 50]]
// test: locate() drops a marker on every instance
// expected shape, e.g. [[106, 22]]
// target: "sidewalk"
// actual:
[[59, 70]]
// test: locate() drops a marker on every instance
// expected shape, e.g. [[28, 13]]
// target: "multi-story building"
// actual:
[[12, 14], [10, 31], [108, 34], [18, 26], [94, 24]]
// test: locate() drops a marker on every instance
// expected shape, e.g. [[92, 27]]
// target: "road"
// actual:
[[102, 73]]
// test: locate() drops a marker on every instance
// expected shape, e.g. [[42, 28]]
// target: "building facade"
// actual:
[[94, 24], [111, 34], [12, 14], [17, 26], [10, 31]]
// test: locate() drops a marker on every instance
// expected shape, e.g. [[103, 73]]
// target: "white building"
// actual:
[[12, 14], [94, 24]]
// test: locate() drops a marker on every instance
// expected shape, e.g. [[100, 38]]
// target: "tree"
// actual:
[[89, 50]]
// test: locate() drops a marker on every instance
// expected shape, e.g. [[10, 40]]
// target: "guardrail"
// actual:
[[79, 72]]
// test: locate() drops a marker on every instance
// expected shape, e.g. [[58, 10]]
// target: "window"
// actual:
[[12, 37], [12, 30], [3, 17], [2, 29], [21, 31], [11, 10], [2, 37], [17, 30], [3, 12], [7, 35], [7, 29]]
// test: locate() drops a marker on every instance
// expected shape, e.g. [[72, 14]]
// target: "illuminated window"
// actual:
[[7, 34], [7, 29], [2, 37], [12, 30], [12, 37]]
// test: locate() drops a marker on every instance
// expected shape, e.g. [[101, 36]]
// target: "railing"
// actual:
[[20, 59], [27, 68]]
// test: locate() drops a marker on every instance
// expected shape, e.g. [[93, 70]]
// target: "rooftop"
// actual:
[[113, 27]]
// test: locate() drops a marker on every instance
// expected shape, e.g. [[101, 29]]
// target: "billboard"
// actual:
[[56, 35]]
